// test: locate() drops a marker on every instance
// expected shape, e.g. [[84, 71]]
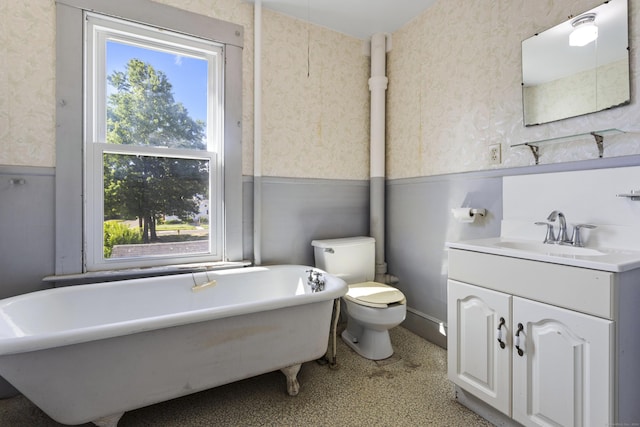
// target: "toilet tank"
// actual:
[[351, 258]]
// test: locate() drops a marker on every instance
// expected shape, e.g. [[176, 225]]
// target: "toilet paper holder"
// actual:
[[479, 212], [468, 214]]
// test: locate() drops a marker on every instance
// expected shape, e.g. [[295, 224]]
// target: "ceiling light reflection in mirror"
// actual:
[[584, 31]]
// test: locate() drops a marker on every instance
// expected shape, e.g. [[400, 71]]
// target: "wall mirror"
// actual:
[[562, 79]]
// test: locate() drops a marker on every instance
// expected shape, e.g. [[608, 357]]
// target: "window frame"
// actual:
[[71, 193], [100, 29]]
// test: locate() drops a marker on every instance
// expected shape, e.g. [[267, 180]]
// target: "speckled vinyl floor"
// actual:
[[408, 389]]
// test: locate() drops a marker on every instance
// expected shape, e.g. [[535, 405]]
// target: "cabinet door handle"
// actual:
[[519, 346], [500, 339]]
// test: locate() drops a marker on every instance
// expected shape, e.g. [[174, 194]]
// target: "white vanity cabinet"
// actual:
[[549, 374], [563, 373], [539, 341], [476, 362]]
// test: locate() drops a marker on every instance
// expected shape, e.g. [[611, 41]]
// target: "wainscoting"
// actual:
[[26, 228]]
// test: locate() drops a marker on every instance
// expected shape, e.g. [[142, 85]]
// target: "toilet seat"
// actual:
[[374, 294]]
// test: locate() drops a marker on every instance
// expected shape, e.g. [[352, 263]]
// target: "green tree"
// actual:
[[142, 111]]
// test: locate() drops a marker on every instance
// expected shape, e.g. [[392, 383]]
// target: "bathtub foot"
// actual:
[[293, 387], [109, 420]]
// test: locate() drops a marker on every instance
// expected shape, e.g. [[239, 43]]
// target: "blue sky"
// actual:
[[187, 75]]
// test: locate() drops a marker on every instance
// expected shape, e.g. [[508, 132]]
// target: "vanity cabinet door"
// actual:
[[563, 376], [477, 361]]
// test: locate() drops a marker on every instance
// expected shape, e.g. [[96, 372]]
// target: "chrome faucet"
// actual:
[[562, 231], [315, 280], [549, 237], [576, 240], [562, 238]]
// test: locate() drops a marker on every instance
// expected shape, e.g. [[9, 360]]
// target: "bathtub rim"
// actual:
[[334, 288]]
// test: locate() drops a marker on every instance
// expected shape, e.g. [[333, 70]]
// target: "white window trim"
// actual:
[[99, 29], [70, 192]]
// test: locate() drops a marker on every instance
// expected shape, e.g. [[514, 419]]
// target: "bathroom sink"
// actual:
[[599, 258], [551, 249]]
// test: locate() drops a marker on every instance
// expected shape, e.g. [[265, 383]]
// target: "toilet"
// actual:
[[372, 308]]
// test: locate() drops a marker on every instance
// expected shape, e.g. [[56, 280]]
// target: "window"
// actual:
[[152, 141], [154, 145]]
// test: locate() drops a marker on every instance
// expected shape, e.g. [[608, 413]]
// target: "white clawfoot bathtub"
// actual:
[[91, 352]]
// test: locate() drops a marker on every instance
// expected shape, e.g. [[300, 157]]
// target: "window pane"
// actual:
[[155, 97], [155, 206]]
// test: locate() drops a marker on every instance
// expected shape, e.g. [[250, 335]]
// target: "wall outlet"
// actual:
[[495, 154]]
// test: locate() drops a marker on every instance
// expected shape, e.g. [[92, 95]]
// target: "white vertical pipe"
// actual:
[[257, 133], [378, 87]]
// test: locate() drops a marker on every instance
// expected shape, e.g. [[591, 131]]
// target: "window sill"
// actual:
[[136, 273]]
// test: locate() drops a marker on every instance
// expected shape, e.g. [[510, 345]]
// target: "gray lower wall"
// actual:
[[26, 234], [297, 211], [419, 223], [26, 228]]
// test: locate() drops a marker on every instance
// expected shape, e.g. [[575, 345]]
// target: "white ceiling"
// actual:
[[357, 18]]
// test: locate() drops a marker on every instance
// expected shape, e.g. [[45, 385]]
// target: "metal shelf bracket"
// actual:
[[535, 150], [599, 142]]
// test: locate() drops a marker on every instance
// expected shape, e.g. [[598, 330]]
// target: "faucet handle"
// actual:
[[550, 237], [576, 240]]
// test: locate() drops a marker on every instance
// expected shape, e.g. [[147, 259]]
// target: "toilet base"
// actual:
[[370, 344]]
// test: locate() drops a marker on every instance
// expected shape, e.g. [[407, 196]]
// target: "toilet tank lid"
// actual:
[[345, 241]]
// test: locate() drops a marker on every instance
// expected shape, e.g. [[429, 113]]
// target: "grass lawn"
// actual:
[[173, 227]]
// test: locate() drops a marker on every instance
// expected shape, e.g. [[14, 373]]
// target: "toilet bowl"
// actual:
[[372, 308]]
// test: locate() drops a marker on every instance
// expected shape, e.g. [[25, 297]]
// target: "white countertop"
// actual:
[[605, 259]]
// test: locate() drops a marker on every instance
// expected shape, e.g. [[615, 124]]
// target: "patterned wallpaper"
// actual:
[[27, 83], [315, 102], [454, 90]]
